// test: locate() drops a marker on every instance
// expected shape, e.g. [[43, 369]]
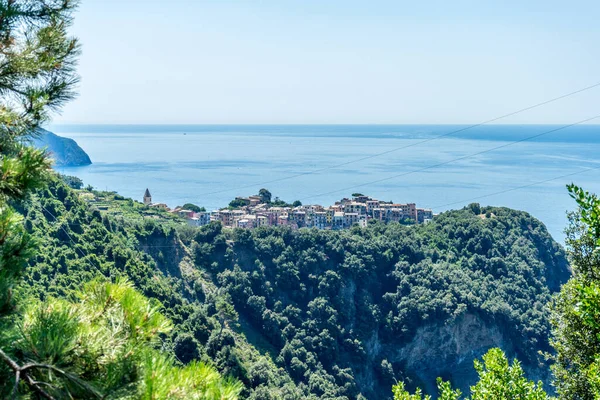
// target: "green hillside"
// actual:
[[102, 297], [315, 314]]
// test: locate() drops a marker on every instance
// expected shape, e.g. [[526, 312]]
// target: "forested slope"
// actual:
[[351, 311], [77, 243], [335, 314]]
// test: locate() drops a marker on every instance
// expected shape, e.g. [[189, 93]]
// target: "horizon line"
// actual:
[[303, 124]]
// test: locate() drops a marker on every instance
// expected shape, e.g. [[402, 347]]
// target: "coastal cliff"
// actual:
[[320, 314], [64, 151], [363, 308]]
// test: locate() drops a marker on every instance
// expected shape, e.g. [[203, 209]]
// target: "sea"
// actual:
[[442, 167]]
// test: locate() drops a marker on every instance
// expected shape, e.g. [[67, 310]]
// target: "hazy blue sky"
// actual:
[[334, 61]]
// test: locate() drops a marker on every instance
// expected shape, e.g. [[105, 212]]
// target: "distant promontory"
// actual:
[[64, 151]]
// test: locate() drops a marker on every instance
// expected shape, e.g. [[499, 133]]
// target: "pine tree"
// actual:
[[102, 343], [37, 76]]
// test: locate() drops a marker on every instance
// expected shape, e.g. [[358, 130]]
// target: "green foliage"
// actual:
[[317, 300], [100, 345], [445, 392], [16, 246], [56, 341], [497, 380], [589, 210], [38, 62], [36, 77], [238, 203], [500, 380], [277, 202], [265, 195], [72, 181], [311, 301], [129, 211], [400, 393], [576, 309], [148, 253], [193, 207]]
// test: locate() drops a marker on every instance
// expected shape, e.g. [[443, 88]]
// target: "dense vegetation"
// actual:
[[102, 297], [336, 309], [575, 319], [193, 207], [102, 344], [576, 310], [102, 341], [497, 379], [78, 243], [313, 301], [265, 197]]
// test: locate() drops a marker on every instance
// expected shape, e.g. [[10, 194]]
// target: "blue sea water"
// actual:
[[210, 165]]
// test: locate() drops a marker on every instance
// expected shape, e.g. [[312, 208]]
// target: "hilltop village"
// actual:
[[255, 211]]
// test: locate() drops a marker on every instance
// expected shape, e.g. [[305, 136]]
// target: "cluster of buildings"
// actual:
[[194, 218], [345, 213]]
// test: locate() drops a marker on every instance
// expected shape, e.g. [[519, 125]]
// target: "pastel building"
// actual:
[[185, 213], [203, 217], [320, 220], [226, 217], [424, 215], [160, 206], [355, 207], [350, 219], [329, 214], [371, 205], [338, 220], [261, 220]]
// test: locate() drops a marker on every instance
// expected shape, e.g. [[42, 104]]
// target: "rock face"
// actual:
[[365, 308], [64, 151], [454, 345]]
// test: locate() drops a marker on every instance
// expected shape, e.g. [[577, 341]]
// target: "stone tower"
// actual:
[[147, 198]]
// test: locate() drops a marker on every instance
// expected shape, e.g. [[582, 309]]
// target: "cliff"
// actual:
[[320, 314], [357, 310], [65, 152]]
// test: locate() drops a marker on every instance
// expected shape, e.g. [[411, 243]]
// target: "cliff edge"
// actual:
[[64, 151]]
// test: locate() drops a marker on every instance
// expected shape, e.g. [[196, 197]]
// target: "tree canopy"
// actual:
[[103, 341], [498, 379], [98, 306], [265, 195], [576, 310], [193, 207]]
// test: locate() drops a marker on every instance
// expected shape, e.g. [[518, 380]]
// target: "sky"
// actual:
[[334, 61]]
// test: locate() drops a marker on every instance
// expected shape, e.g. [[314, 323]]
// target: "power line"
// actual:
[[94, 265], [453, 160], [515, 188], [81, 252], [431, 207], [73, 242], [409, 145]]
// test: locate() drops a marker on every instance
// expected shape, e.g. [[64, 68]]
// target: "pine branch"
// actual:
[[19, 371]]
